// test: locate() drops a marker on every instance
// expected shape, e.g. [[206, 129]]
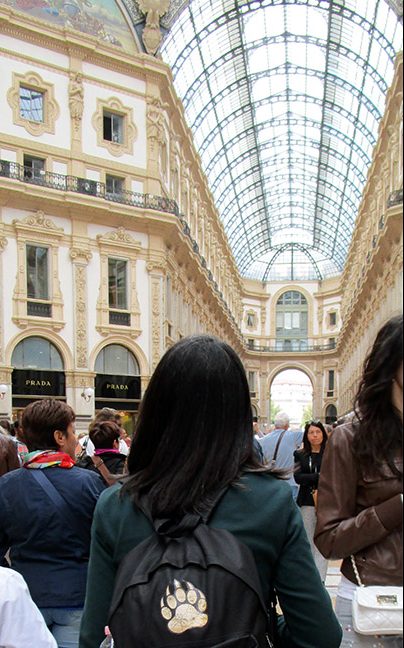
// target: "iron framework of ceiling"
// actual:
[[284, 98]]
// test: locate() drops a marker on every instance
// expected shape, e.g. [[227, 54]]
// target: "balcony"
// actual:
[[85, 186], [96, 189], [119, 318], [39, 309], [295, 346]]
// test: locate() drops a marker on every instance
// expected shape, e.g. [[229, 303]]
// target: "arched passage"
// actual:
[[291, 391]]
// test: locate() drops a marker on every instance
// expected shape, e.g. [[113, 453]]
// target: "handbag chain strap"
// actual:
[[355, 568]]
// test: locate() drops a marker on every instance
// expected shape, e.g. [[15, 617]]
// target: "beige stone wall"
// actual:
[[183, 276], [372, 281]]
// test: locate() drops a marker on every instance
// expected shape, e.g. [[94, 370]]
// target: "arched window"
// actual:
[[37, 353], [117, 360], [331, 414], [38, 372], [291, 321], [118, 382]]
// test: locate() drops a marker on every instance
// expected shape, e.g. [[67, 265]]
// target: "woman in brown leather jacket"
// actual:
[[360, 494]]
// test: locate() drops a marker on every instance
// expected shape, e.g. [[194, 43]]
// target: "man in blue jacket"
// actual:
[[46, 511]]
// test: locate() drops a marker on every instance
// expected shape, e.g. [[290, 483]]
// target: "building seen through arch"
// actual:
[[253, 191]]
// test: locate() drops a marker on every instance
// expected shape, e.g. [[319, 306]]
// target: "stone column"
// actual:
[[156, 272], [5, 372], [79, 380]]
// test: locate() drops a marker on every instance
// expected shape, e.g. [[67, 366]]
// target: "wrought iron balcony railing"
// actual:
[[98, 189], [282, 348], [61, 182]]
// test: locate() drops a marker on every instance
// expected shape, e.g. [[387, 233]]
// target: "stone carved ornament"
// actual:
[[76, 98], [154, 10]]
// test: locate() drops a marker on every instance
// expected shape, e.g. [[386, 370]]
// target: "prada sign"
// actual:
[[27, 382], [117, 387]]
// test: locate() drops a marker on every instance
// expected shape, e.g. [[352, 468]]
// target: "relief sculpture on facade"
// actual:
[[80, 258], [151, 34], [76, 99]]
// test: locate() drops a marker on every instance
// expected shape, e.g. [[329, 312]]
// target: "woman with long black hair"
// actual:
[[307, 473], [359, 514], [194, 439]]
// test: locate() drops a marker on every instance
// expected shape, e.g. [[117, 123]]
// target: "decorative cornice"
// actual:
[[120, 236], [80, 255], [39, 221]]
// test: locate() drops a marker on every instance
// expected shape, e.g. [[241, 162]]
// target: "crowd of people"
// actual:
[[72, 509]]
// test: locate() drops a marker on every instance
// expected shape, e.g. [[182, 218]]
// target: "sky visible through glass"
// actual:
[[284, 99]]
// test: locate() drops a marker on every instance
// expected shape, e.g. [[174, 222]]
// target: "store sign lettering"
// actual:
[[38, 383], [117, 387]]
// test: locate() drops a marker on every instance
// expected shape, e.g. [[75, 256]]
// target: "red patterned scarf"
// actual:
[[40, 459]]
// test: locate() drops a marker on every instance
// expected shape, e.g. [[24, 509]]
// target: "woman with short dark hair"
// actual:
[[359, 516], [194, 440], [46, 510], [105, 436]]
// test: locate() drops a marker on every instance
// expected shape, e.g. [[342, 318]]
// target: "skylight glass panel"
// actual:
[[287, 159]]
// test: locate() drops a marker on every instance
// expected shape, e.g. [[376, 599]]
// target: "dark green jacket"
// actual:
[[263, 515]]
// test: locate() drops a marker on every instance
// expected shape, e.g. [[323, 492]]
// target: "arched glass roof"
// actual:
[[284, 98]]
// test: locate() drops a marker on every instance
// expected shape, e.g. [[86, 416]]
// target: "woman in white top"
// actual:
[[21, 623]]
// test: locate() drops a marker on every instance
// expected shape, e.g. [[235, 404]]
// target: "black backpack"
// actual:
[[189, 586]]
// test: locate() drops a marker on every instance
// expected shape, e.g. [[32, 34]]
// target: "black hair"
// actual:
[[193, 436], [306, 442], [377, 423]]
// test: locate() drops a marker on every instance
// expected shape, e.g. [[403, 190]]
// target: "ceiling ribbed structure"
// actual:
[[284, 99]]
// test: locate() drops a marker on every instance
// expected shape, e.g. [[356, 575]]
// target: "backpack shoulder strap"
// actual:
[[54, 495], [105, 473], [282, 434], [175, 528]]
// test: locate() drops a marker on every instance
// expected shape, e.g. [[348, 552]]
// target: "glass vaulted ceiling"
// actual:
[[284, 99]]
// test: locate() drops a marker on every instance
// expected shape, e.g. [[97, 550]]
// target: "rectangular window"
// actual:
[[113, 127], [250, 343], [34, 168], [333, 319], [114, 185], [37, 272], [251, 381], [117, 284], [331, 380], [296, 320], [31, 104], [251, 320]]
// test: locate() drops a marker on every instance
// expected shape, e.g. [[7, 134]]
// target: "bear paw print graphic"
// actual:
[[184, 607]]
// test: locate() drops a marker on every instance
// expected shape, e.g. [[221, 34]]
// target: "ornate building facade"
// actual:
[[111, 247]]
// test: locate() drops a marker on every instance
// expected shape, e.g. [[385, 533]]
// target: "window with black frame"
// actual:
[[114, 186], [113, 127], [34, 169]]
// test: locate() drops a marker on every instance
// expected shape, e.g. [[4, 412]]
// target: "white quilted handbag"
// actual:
[[377, 610]]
